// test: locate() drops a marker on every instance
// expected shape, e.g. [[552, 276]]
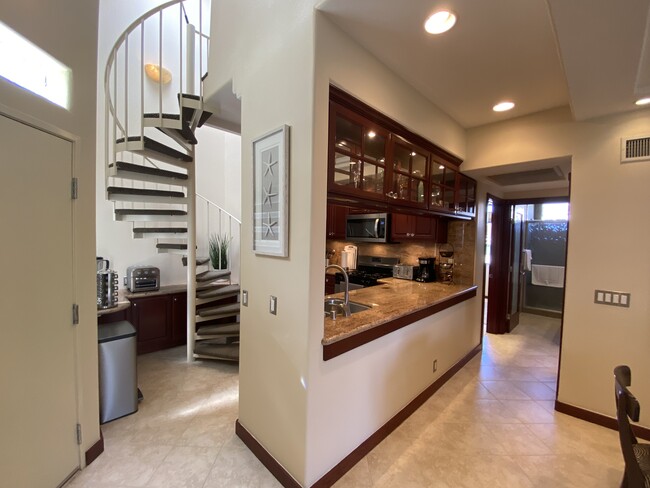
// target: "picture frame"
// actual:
[[271, 193]]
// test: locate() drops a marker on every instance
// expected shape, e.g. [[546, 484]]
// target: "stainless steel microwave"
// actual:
[[367, 227]]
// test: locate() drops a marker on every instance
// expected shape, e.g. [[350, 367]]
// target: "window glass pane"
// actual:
[[555, 211], [375, 147], [348, 135]]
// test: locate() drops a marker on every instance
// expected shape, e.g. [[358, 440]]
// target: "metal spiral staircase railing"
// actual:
[[150, 122]]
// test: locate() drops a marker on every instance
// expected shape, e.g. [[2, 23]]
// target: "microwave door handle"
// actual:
[[377, 228]]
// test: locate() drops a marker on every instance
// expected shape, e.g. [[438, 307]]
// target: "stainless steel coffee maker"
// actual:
[[107, 285], [427, 271]]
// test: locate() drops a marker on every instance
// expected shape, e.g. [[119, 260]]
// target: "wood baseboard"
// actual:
[[96, 449], [599, 419], [337, 472]]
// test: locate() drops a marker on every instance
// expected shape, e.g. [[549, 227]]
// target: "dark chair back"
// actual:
[[627, 407]]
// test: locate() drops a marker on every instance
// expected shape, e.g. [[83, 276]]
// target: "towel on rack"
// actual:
[[544, 275], [528, 259]]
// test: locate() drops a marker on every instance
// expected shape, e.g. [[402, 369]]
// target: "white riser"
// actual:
[[146, 199], [181, 252], [216, 316], [201, 301], [170, 123]]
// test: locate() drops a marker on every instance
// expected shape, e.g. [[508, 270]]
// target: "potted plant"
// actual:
[[219, 245]]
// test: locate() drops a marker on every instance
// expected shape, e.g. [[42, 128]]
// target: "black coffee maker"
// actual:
[[427, 271]]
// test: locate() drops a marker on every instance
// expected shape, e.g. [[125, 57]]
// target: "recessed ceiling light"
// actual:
[[440, 22], [371, 134], [643, 101], [413, 154], [503, 106]]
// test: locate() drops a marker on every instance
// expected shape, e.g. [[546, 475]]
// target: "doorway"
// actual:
[[525, 260]]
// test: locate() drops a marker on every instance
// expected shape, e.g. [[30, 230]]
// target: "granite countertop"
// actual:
[[390, 300], [123, 296]]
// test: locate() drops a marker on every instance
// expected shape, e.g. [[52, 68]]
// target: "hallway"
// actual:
[[492, 425]]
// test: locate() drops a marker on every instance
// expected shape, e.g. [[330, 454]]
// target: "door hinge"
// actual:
[[79, 434], [75, 188], [75, 314]]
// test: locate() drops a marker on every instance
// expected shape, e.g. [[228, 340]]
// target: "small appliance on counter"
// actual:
[[446, 263], [404, 272], [349, 257], [427, 272], [142, 278], [107, 285]]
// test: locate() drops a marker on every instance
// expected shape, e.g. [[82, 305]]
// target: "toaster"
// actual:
[[142, 278], [404, 272]]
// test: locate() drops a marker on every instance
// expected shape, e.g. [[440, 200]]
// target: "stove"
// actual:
[[370, 269]]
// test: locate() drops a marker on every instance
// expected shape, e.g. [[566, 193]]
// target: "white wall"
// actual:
[[609, 230], [353, 395], [72, 39]]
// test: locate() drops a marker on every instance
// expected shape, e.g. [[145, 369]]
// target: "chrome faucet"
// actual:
[[346, 295]]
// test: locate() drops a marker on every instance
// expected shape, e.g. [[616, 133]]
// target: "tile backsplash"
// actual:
[[461, 235]]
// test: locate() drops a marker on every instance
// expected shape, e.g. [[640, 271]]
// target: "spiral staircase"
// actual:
[[150, 161]]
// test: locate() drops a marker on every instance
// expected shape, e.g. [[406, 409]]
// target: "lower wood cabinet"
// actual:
[[330, 284], [160, 321]]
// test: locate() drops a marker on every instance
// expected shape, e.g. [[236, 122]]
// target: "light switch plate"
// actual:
[[613, 298], [244, 298], [273, 305]]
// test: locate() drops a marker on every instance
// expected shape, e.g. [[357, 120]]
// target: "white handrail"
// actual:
[[210, 202]]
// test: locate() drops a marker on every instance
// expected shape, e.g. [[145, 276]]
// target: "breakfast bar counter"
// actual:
[[394, 304]]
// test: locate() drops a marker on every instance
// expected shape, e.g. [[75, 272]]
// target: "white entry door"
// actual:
[[38, 407]]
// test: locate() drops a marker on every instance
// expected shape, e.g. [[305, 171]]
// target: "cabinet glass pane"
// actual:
[[437, 171], [348, 135], [401, 158], [436, 196], [418, 165], [375, 147], [373, 177], [448, 198], [417, 191], [347, 170], [401, 186], [450, 177], [462, 195]]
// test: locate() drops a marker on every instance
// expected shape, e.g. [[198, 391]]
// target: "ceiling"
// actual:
[[540, 54]]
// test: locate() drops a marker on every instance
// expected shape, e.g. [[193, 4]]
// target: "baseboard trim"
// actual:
[[598, 419], [276, 469], [348, 462], [96, 449]]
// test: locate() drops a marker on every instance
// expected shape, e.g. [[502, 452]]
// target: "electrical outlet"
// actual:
[[273, 305], [435, 365], [244, 298]]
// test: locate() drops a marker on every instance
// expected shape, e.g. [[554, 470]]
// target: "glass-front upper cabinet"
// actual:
[[409, 173], [357, 154], [466, 195], [443, 187]]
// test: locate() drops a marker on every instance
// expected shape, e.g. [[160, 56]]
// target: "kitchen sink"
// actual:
[[337, 305]]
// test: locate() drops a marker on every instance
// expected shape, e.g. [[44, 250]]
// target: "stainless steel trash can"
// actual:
[[118, 381]]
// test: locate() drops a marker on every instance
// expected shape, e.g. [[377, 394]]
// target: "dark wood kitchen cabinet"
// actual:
[[336, 221], [160, 321], [408, 227], [330, 284]]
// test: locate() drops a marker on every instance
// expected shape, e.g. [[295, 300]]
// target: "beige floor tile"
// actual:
[[184, 467], [535, 389], [568, 471], [529, 411], [518, 439], [357, 477], [506, 390]]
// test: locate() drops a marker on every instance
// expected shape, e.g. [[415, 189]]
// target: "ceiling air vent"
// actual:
[[635, 149]]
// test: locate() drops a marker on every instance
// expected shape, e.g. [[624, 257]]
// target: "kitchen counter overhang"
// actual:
[[395, 304]]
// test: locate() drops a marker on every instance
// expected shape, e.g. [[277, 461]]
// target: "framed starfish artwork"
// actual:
[[271, 193]]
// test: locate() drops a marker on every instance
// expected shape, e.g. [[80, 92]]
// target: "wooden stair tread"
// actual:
[[120, 190], [211, 350], [231, 329], [159, 147], [200, 261], [148, 170], [212, 275], [160, 230], [148, 211], [218, 292], [167, 245], [221, 310]]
